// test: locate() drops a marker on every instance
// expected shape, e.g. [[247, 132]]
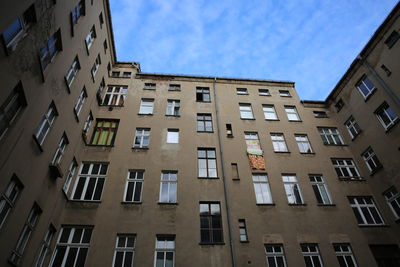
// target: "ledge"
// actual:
[[307, 153], [131, 203], [205, 132], [373, 225], [265, 204], [294, 204], [168, 203], [211, 244], [145, 114], [246, 119], [282, 152], [380, 167], [295, 121], [352, 180], [140, 148], [166, 115], [272, 120], [212, 178], [326, 205]]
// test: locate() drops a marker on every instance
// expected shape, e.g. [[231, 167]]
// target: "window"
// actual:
[[352, 127], [126, 74], [9, 198], [90, 182], [52, 46], [204, 122], [101, 19], [146, 106], [87, 124], [292, 189], [96, 66], [71, 73], [16, 30], [77, 12], [320, 114], [45, 124], [262, 189], [149, 86], [392, 39], [386, 116], [168, 186], [203, 94], [386, 70], [392, 197], [45, 247], [134, 186], [275, 255], [330, 136], [291, 113], [165, 251], [11, 107], [365, 86], [311, 255], [79, 103], [278, 141], [371, 160], [115, 74], [344, 255], [142, 138], [104, 133], [264, 92], [70, 174], [173, 107], [303, 143], [60, 150], [242, 231], [174, 87], [90, 38], [253, 146], [241, 91], [207, 163], [339, 105], [210, 223], [25, 235], [105, 46], [173, 136], [245, 111], [365, 211], [269, 112], [320, 190], [346, 169], [235, 171], [72, 246], [124, 251], [99, 93], [115, 95], [386, 255], [229, 131], [284, 93]]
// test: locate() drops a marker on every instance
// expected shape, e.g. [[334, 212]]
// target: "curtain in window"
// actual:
[[256, 162]]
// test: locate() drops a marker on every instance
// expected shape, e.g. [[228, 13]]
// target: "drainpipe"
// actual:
[[387, 89], [228, 213]]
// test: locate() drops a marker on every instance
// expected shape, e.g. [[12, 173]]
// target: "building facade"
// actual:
[[104, 165]]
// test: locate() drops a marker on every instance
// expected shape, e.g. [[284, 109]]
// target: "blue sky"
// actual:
[[310, 42]]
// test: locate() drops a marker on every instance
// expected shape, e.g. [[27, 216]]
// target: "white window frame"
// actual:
[[168, 187], [264, 92], [311, 253], [164, 245], [68, 245], [330, 136], [9, 198], [70, 175], [242, 91], [150, 86], [174, 87], [367, 84], [269, 112], [246, 111], [343, 251], [173, 108], [86, 125], [392, 197], [291, 184], [346, 165], [278, 142], [62, 145], [172, 136], [89, 40], [99, 179], [292, 114], [320, 114], [96, 66], [146, 106], [126, 249], [352, 127], [371, 160], [386, 113], [142, 134], [45, 124], [360, 204], [115, 94], [303, 143], [45, 247], [134, 179], [209, 162], [72, 71], [320, 188], [205, 118], [275, 254], [284, 93], [243, 237], [262, 188], [80, 101]]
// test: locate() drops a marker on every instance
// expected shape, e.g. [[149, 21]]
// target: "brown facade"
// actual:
[[176, 157]]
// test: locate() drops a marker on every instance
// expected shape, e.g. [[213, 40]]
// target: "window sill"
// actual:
[[166, 115], [149, 89], [265, 204], [373, 225], [198, 101], [145, 114], [173, 90], [282, 152], [372, 92], [212, 244], [93, 145], [387, 130], [213, 178], [326, 205], [295, 120], [272, 119], [131, 203], [248, 119], [84, 201], [355, 137], [336, 145], [295, 204], [168, 203], [140, 148], [244, 242], [352, 179], [307, 153], [37, 143], [205, 131], [229, 135], [376, 170]]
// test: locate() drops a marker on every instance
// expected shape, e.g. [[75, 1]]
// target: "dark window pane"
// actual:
[[129, 191], [71, 257], [58, 258], [86, 236], [217, 236], [79, 188], [128, 259], [205, 236], [99, 189], [77, 235], [80, 262], [118, 259], [138, 191]]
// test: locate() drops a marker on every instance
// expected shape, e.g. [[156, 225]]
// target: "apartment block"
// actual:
[[105, 165]]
